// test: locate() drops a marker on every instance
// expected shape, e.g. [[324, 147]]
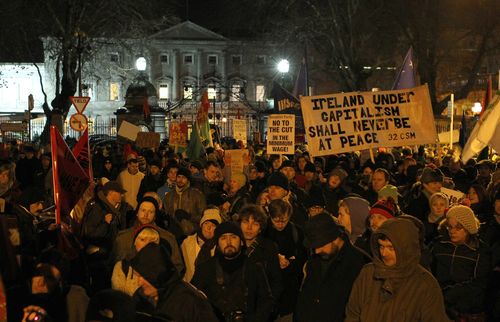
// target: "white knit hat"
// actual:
[[211, 214], [465, 216]]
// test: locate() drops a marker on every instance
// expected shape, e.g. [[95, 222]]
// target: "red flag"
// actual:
[[202, 115], [70, 180], [487, 96], [146, 109], [81, 151]]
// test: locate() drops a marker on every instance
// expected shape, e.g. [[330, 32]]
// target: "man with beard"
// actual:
[[237, 288], [330, 273]]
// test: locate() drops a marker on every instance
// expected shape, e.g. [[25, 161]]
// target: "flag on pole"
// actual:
[[406, 75], [195, 148], [146, 109], [463, 131], [202, 125], [301, 87], [69, 178]]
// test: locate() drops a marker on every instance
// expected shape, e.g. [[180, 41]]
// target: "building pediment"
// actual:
[[188, 30]]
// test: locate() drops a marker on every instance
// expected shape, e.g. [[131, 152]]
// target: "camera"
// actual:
[[36, 316]]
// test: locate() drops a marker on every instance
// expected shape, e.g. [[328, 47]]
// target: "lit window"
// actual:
[[212, 93], [260, 91], [212, 59], [236, 59], [235, 92], [114, 57], [188, 59], [163, 91], [114, 91], [188, 92], [164, 58], [261, 59]]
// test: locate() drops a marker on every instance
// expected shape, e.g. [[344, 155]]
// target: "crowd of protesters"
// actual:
[[287, 238]]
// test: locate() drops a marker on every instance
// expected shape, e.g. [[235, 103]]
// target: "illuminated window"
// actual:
[[212, 59], [212, 93], [188, 59], [163, 91], [114, 91], [235, 93], [188, 92], [260, 91]]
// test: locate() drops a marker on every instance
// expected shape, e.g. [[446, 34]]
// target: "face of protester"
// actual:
[[133, 167], [212, 173], [279, 222], [330, 250], [208, 229], [301, 163], [314, 210], [141, 241], [376, 220], [36, 207], [344, 217], [229, 245], [108, 165], [194, 170], [367, 171], [154, 170], [234, 186], [114, 197], [387, 252], [147, 288], [472, 196], [378, 181], [309, 175], [276, 163], [181, 181], [334, 182], [45, 162], [250, 228], [253, 174], [289, 172], [432, 187], [4, 177], [276, 192], [438, 206], [458, 234], [172, 174], [146, 213]]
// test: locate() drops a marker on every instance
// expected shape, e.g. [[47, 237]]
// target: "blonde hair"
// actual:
[[149, 233]]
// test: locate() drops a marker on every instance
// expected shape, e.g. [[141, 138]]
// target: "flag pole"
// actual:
[[451, 123]]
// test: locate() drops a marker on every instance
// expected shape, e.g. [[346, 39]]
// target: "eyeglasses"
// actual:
[[457, 227]]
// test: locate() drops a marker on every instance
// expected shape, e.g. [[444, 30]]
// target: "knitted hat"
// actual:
[[465, 216], [153, 264], [339, 172], [278, 179], [315, 197], [320, 230], [197, 164], [211, 214], [228, 227], [155, 162], [389, 191], [240, 178], [385, 208], [183, 171], [439, 195], [431, 175]]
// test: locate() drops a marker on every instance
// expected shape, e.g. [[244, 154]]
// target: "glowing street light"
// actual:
[[476, 108], [141, 64], [283, 66]]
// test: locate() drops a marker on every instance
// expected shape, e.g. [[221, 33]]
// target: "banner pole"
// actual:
[[451, 123]]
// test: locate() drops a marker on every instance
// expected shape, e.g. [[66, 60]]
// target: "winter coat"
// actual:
[[404, 292], [123, 278], [190, 250], [417, 202], [190, 200], [463, 273], [150, 183], [324, 294], [131, 183]]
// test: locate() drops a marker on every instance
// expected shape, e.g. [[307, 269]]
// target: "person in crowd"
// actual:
[[259, 183], [185, 203], [238, 195], [153, 180], [123, 246], [300, 177], [362, 184], [335, 190], [380, 178], [389, 191], [275, 160], [196, 168], [394, 287], [9, 187], [288, 169], [130, 179], [210, 184], [431, 182], [237, 287], [461, 263], [291, 253], [113, 305], [162, 291], [330, 273], [169, 184], [479, 202], [315, 202], [485, 169], [439, 204], [353, 215], [109, 170], [27, 168], [202, 239], [311, 176], [123, 278], [260, 250], [43, 178]]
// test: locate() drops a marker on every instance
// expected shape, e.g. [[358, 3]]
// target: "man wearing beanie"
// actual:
[[278, 188], [123, 247], [330, 273], [162, 291], [185, 203], [461, 263], [394, 287], [417, 202], [153, 180], [237, 288]]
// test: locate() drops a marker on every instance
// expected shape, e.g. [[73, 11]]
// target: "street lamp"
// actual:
[[283, 66], [141, 64], [476, 108]]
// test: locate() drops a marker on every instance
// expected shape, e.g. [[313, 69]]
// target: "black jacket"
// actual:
[[324, 295]]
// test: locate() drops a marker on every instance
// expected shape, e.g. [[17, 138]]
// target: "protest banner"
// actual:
[[346, 122], [240, 130], [281, 134], [178, 134], [128, 130], [454, 196], [147, 140], [236, 160]]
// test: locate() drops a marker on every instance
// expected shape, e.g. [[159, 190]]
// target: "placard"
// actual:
[[240, 131], [454, 196], [236, 160], [128, 130], [178, 134], [346, 122], [148, 140], [281, 134]]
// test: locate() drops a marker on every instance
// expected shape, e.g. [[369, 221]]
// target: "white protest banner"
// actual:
[[240, 130], [345, 122], [128, 130], [454, 196], [236, 160], [281, 134]]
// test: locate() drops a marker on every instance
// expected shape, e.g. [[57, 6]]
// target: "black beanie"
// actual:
[[321, 229], [153, 264], [183, 171], [278, 179], [151, 200], [228, 227]]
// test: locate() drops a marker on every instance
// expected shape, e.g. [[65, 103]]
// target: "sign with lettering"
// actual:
[[281, 134], [240, 130], [178, 134], [80, 102], [345, 122], [147, 140]]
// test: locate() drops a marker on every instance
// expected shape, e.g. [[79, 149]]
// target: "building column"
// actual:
[[175, 76], [199, 63]]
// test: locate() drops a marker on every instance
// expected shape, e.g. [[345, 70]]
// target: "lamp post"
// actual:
[[283, 67]]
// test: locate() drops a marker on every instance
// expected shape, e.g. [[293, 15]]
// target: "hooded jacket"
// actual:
[[402, 292]]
